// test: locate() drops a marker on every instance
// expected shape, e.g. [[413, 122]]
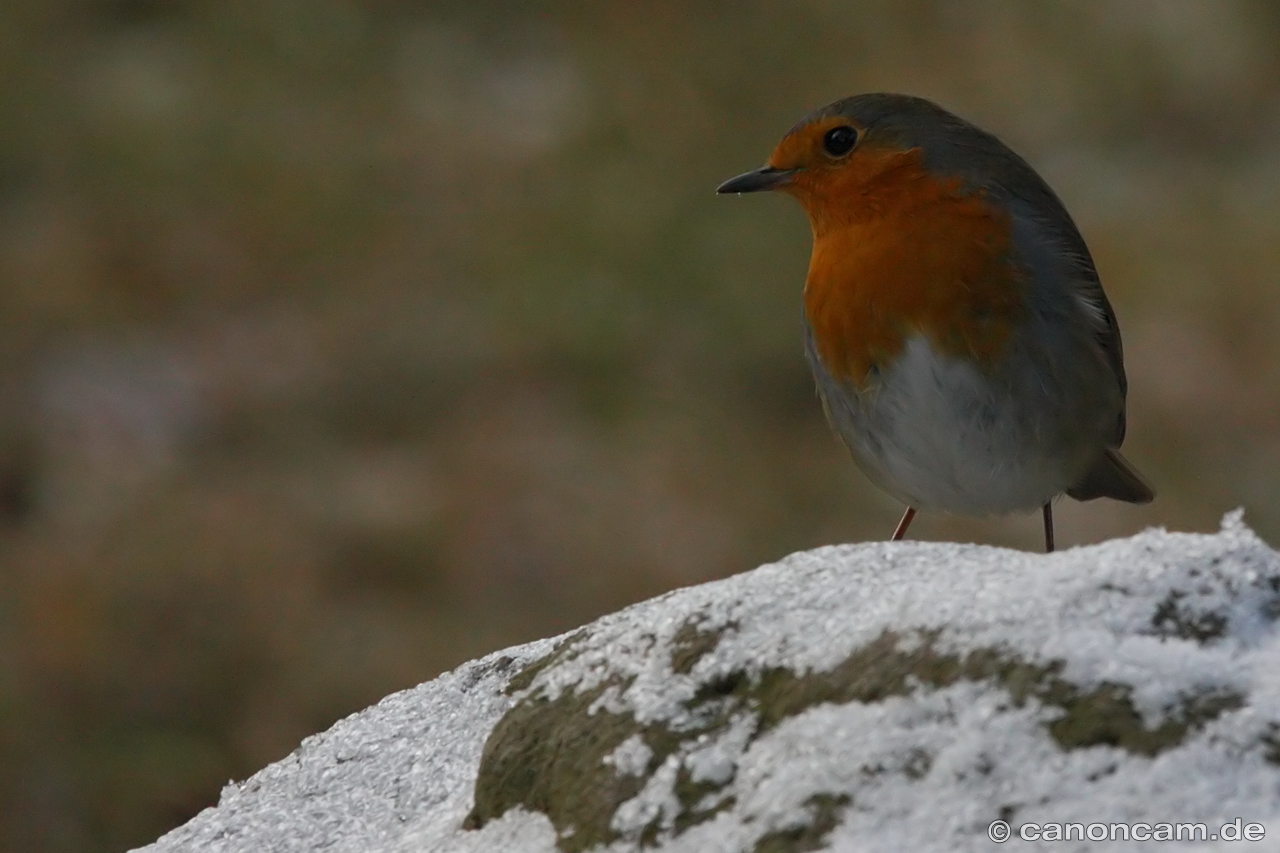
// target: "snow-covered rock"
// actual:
[[880, 697]]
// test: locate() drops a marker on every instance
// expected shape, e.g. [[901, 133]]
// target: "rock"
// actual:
[[877, 697]]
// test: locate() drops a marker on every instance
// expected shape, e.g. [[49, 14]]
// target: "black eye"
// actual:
[[839, 141]]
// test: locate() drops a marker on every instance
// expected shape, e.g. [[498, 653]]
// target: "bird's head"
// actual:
[[847, 158]]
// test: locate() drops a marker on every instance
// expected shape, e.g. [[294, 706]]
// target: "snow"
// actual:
[[631, 757], [874, 697]]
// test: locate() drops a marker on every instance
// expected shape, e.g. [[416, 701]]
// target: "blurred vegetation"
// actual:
[[345, 341]]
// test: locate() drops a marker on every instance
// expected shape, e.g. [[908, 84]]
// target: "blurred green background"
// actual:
[[345, 341]]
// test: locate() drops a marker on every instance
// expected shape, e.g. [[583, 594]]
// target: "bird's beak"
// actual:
[[766, 178]]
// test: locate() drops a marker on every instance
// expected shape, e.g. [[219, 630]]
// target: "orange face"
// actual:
[[897, 251]]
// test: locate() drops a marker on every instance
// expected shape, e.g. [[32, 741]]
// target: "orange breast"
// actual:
[[898, 252]]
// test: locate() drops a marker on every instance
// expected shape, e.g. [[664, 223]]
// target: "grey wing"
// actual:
[[1106, 329], [1111, 476], [1021, 181]]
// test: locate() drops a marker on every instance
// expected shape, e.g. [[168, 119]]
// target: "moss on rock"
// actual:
[[548, 755]]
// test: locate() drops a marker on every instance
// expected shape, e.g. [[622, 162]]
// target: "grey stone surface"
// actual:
[[877, 697]]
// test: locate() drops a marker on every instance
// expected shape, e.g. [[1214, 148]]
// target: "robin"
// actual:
[[963, 348]]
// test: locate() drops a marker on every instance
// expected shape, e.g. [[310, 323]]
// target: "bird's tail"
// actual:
[[1113, 477]]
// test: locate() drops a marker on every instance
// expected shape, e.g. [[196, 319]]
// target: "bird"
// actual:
[[960, 340]]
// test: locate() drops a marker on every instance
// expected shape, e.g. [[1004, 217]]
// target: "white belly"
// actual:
[[938, 434]]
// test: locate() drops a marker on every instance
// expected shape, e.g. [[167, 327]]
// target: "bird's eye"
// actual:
[[839, 141]]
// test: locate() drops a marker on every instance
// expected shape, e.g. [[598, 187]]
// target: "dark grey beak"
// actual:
[[766, 178]]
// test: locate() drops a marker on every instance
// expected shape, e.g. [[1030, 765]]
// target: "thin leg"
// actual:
[[1048, 528], [901, 529]]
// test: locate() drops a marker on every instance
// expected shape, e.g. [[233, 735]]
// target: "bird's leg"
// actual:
[[1048, 528], [901, 529]]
